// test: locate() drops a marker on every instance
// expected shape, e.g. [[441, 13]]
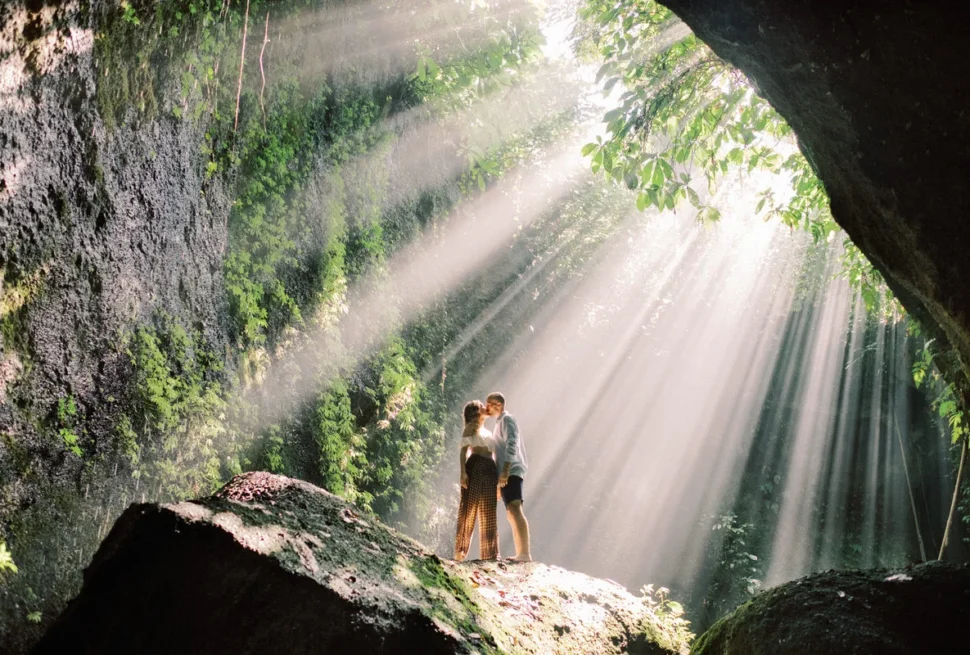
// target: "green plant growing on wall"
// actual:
[[340, 444], [66, 418], [6, 560], [738, 572], [505, 45], [273, 451], [404, 438], [180, 404]]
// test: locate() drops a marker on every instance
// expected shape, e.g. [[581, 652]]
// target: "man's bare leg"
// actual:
[[515, 532], [520, 532]]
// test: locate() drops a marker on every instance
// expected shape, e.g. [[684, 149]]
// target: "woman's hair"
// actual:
[[472, 410]]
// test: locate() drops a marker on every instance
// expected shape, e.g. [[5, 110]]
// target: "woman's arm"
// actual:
[[463, 475]]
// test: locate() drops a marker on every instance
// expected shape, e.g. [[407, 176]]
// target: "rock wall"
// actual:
[[99, 227], [167, 238], [102, 226], [877, 97]]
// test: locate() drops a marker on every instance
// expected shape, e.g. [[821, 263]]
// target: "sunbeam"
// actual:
[[649, 383]]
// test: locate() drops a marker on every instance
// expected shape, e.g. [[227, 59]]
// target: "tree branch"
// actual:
[[262, 73], [953, 503], [242, 60]]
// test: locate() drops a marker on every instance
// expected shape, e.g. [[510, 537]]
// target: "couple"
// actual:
[[492, 464]]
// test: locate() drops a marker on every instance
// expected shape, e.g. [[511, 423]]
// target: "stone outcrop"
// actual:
[[271, 564], [98, 227], [878, 99], [922, 609]]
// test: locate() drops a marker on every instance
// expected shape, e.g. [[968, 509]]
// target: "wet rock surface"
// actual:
[[99, 229], [271, 564], [878, 101], [921, 609]]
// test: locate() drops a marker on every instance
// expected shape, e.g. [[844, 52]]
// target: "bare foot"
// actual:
[[519, 558]]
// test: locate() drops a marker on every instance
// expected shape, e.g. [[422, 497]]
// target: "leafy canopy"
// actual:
[[685, 116]]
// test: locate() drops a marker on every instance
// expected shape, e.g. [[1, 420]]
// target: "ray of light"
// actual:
[[431, 266], [683, 356]]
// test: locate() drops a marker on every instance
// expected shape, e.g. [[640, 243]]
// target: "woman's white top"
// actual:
[[481, 439]]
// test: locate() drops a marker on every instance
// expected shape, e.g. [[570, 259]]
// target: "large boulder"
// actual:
[[274, 565], [918, 610]]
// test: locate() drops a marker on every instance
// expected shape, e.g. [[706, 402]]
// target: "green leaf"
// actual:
[[612, 115], [608, 15], [604, 69], [692, 196]]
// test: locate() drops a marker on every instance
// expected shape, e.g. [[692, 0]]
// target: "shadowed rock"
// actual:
[[271, 564], [923, 609]]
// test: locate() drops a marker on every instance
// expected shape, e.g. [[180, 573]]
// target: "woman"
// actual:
[[479, 481]]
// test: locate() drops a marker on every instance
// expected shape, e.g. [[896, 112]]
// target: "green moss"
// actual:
[[433, 577], [17, 292], [19, 457], [123, 50], [6, 560], [144, 45]]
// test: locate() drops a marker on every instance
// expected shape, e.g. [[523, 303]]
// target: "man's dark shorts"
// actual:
[[512, 490]]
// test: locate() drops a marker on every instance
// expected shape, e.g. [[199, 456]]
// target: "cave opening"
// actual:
[[396, 208]]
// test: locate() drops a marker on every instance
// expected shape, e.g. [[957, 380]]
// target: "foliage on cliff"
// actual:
[[686, 119], [307, 157]]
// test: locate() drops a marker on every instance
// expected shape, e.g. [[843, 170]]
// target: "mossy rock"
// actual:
[[271, 564], [921, 609]]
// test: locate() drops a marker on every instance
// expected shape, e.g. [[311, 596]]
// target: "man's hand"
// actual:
[[464, 480], [503, 480]]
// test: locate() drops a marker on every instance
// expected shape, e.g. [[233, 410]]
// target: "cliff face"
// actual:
[[271, 564], [878, 101], [187, 194], [99, 227], [103, 225]]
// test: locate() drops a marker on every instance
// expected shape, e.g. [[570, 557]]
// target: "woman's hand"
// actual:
[[464, 480]]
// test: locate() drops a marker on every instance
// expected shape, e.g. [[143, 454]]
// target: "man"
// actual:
[[511, 464]]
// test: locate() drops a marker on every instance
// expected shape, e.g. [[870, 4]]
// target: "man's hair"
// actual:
[[495, 395]]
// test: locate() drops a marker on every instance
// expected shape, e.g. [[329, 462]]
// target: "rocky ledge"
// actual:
[[270, 564], [913, 611]]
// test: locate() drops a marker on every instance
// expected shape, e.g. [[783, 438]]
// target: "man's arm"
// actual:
[[511, 443]]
